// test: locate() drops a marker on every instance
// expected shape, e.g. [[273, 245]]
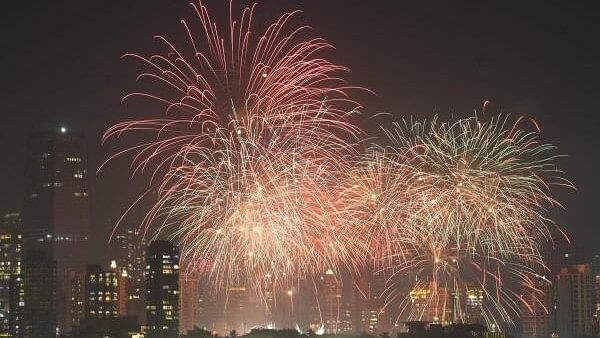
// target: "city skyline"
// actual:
[[357, 169]]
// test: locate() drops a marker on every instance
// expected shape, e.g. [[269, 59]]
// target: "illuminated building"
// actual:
[[75, 305], [431, 304], [441, 309], [56, 214], [575, 301], [535, 315], [39, 312], [11, 278], [419, 298], [123, 293], [190, 301], [473, 311], [369, 315], [331, 303], [102, 292], [130, 250], [162, 288], [456, 306]]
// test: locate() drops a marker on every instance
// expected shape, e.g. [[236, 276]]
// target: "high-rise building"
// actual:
[[331, 303], [162, 288], [130, 251], [575, 301], [190, 301], [535, 310], [11, 277], [102, 292], [56, 214], [39, 312]]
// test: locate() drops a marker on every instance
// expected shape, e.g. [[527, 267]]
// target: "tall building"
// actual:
[[331, 303], [575, 301], [11, 278], [535, 310], [190, 301], [39, 312], [162, 288], [56, 214], [130, 251], [102, 292]]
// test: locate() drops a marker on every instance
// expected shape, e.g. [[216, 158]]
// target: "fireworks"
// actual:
[[453, 205], [257, 177], [254, 128]]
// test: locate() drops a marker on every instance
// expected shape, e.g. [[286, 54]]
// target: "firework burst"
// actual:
[[255, 125], [451, 206]]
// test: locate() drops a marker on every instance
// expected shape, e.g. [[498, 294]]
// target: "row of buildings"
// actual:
[[48, 287], [29, 290]]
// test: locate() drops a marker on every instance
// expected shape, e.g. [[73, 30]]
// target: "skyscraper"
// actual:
[[575, 301], [11, 278], [130, 251], [56, 214], [162, 288], [332, 303], [39, 312]]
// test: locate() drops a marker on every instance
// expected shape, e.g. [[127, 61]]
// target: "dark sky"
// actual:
[[61, 65]]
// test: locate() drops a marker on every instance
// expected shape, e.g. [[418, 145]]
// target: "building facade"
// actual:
[[56, 213], [11, 278], [575, 301], [130, 254], [190, 300], [536, 310], [162, 288], [39, 312], [102, 292]]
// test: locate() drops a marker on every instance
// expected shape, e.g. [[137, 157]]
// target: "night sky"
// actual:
[[61, 65]]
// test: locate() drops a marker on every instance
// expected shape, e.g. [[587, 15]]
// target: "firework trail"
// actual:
[[453, 207], [255, 126]]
